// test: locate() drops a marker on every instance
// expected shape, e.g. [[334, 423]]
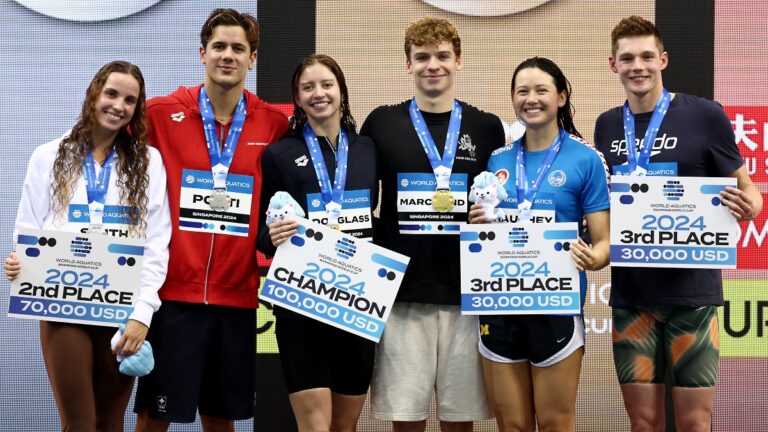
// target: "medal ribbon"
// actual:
[[221, 159], [333, 197], [638, 165], [526, 192], [96, 186], [442, 167]]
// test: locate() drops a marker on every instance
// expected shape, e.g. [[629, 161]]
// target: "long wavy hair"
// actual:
[[564, 113], [299, 118], [131, 145]]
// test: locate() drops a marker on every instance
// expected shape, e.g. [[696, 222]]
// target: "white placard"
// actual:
[[335, 278], [672, 222], [75, 277], [519, 269]]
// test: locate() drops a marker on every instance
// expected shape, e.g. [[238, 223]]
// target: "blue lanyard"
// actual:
[[526, 192], [639, 165], [96, 186], [221, 159], [333, 197], [442, 167]]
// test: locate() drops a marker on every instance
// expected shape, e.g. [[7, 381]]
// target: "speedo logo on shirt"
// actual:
[[663, 142]]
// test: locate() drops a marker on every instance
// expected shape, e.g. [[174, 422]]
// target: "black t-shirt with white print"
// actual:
[[433, 272]]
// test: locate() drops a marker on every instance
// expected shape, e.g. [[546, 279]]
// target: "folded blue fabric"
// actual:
[[136, 365], [139, 364]]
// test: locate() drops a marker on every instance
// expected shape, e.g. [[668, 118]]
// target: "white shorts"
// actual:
[[424, 348]]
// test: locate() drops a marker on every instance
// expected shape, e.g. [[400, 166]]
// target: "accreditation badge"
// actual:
[[542, 210], [418, 213], [676, 222], [519, 269], [335, 278], [75, 277], [115, 220], [218, 211], [353, 219]]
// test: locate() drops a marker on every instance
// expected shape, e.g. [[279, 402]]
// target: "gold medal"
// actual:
[[442, 200]]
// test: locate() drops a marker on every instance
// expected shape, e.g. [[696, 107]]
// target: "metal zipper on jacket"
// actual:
[[207, 270], [222, 138]]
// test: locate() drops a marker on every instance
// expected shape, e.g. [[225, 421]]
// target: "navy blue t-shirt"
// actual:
[[695, 140]]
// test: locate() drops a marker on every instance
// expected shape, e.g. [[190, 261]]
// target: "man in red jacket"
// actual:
[[211, 137]]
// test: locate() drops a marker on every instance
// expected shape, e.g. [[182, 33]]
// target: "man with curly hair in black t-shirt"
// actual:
[[429, 148]]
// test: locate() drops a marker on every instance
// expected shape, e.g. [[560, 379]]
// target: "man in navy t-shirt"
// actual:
[[666, 314]]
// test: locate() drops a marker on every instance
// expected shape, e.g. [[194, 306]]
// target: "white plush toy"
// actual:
[[487, 190], [282, 206]]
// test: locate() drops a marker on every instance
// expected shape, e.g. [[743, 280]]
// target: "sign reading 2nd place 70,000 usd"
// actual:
[[75, 277], [335, 278], [524, 269]]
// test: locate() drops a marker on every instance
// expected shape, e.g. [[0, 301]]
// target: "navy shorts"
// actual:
[[542, 340], [316, 355], [204, 359]]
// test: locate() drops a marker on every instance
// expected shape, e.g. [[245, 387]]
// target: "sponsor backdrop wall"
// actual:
[[53, 49]]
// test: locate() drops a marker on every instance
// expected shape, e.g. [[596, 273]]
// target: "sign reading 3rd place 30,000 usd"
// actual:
[[76, 277], [672, 222], [335, 278], [525, 269]]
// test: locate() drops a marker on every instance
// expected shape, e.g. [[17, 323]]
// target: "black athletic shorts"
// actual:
[[316, 355], [540, 339], [204, 359]]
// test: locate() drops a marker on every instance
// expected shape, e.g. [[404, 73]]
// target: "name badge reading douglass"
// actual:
[[676, 222], [353, 219], [220, 211], [335, 278], [76, 277], [519, 269]]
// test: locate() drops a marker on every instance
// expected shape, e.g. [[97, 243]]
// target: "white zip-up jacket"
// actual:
[[35, 212]]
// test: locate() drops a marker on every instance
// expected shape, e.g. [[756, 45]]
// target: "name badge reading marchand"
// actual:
[[416, 212]]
